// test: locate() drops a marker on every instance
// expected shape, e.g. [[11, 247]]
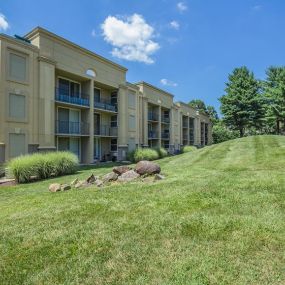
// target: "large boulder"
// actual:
[[54, 187], [147, 167], [128, 176], [112, 176], [121, 169]]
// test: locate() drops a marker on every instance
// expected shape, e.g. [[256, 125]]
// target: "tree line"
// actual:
[[249, 106]]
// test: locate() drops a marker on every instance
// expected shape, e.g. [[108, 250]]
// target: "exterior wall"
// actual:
[[49, 58], [29, 125]]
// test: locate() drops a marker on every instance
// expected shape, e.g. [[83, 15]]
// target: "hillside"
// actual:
[[217, 218]]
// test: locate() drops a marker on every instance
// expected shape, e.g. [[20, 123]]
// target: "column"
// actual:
[[122, 122], [46, 105], [145, 122], [197, 130], [159, 126]]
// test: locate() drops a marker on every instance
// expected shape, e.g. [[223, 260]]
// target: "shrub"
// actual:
[[221, 133], [142, 154], [145, 154], [189, 148], [42, 165], [162, 152]]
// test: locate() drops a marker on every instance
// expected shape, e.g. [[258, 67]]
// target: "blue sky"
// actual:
[[186, 47]]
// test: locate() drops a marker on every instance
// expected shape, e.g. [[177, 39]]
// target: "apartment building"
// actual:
[[56, 95]]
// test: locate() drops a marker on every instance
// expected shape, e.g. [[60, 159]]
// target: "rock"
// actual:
[[128, 176], [147, 167], [55, 187], [112, 176], [159, 177], [74, 182], [148, 179], [65, 187], [80, 184], [121, 169], [99, 183], [91, 179]]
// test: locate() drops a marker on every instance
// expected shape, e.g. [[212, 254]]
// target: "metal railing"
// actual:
[[105, 105], [77, 98], [105, 130], [152, 135], [72, 128], [152, 116], [165, 135], [165, 120]]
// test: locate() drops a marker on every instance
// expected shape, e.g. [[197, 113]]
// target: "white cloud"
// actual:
[[3, 23], [131, 38], [93, 33], [175, 25], [181, 6], [167, 82]]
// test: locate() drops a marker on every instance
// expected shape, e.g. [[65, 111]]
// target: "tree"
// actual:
[[274, 91], [213, 114], [198, 104], [221, 133], [241, 105]]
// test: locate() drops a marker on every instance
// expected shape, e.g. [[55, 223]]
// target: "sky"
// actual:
[[185, 47]]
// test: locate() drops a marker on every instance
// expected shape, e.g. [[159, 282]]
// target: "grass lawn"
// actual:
[[218, 218]]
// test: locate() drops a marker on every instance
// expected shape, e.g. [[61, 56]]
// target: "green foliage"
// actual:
[[274, 91], [42, 165], [162, 152], [198, 104], [211, 111], [221, 133], [189, 148], [142, 154], [243, 104]]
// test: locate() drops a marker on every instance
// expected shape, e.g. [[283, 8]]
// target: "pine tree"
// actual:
[[242, 105]]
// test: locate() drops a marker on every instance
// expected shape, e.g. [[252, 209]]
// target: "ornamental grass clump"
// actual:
[[189, 148], [162, 152], [145, 154], [42, 165]]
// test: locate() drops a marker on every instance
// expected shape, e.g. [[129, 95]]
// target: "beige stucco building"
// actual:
[[56, 95]]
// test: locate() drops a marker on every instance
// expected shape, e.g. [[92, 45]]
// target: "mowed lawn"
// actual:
[[217, 218]]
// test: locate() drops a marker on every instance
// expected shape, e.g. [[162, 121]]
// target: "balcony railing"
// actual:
[[165, 135], [77, 98], [71, 128], [152, 135], [152, 116], [105, 105], [105, 130], [165, 120]]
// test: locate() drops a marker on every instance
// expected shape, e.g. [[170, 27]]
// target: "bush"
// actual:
[[188, 148], [221, 133], [162, 152], [42, 165], [142, 154]]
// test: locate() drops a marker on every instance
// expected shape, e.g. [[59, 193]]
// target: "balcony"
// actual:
[[165, 120], [152, 117], [106, 131], [78, 98], [165, 136], [71, 128], [105, 105], [152, 135]]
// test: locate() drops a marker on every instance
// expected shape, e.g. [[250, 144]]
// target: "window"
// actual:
[[191, 130], [17, 106], [114, 123], [132, 100], [97, 95], [17, 145], [113, 144], [132, 122], [68, 88], [17, 67]]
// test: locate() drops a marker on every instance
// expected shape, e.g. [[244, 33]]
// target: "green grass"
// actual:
[[217, 218]]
